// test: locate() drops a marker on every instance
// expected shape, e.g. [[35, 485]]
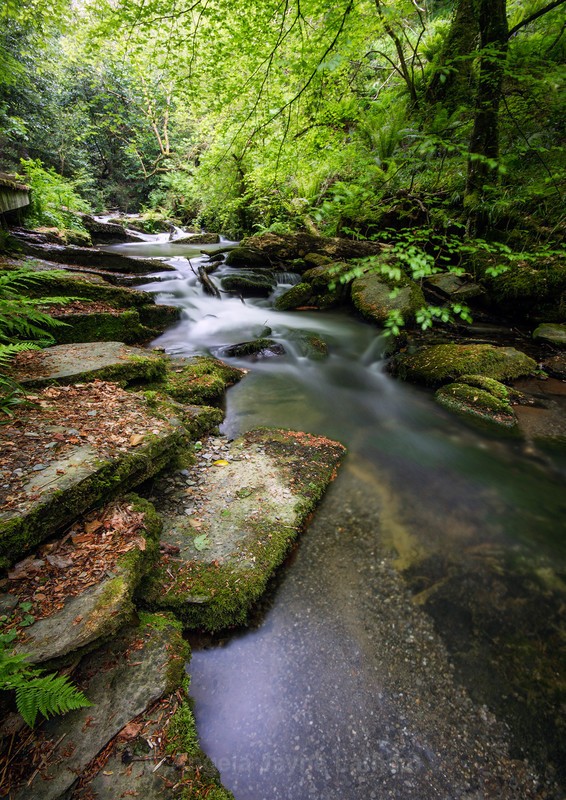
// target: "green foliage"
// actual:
[[47, 695], [22, 325], [53, 198]]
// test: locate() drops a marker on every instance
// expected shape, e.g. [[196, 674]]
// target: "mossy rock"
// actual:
[[201, 380], [158, 317], [294, 297], [444, 363], [375, 297], [260, 348], [247, 257], [531, 289], [96, 613], [101, 327], [273, 480], [87, 361], [250, 284], [552, 333], [309, 344], [88, 287], [477, 404]]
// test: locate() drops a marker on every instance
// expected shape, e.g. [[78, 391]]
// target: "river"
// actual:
[[413, 645]]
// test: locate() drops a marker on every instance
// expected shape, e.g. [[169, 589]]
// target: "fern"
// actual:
[[36, 693]]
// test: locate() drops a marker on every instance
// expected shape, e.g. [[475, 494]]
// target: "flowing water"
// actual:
[[413, 646]]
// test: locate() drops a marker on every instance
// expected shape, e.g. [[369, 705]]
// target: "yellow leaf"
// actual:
[[221, 462], [136, 439]]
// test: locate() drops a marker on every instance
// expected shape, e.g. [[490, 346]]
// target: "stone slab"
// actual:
[[121, 680], [109, 453], [73, 363], [254, 500], [114, 556]]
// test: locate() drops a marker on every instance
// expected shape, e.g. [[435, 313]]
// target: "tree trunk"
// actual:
[[484, 143], [452, 80]]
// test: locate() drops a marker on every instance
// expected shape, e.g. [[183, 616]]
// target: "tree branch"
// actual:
[[535, 15]]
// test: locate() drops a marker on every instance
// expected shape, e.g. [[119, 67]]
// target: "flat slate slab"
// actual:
[[75, 446], [225, 538], [78, 590], [83, 361], [121, 680]]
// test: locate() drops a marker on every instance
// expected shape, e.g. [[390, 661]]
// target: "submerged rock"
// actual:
[[443, 363], [255, 499], [375, 297]]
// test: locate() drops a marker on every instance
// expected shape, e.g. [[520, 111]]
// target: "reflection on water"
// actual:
[[309, 704]]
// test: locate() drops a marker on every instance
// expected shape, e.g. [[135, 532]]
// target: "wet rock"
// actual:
[[295, 297], [444, 363], [556, 366], [477, 402], [375, 297], [248, 257], [198, 238], [250, 284], [258, 349], [106, 232], [552, 333], [454, 287], [287, 247], [74, 363], [309, 344], [89, 257], [201, 380], [121, 680], [228, 550]]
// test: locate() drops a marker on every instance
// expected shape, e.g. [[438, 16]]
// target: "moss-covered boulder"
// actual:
[[328, 290], [276, 247], [87, 580], [255, 496], [198, 238], [479, 399], [444, 363], [295, 297], [552, 333], [375, 297], [99, 326], [201, 380], [249, 257], [250, 284], [556, 366]]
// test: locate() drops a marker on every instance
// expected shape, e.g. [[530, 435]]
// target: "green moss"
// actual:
[[375, 297], [201, 381], [20, 534], [102, 327], [442, 363], [255, 285], [182, 732], [476, 403], [294, 297], [178, 647]]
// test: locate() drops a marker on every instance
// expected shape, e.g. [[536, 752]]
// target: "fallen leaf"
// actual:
[[221, 462], [135, 439], [93, 525]]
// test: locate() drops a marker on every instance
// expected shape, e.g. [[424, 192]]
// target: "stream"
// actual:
[[413, 646]]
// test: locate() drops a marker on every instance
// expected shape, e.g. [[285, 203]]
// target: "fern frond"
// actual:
[[47, 695], [13, 280], [8, 351]]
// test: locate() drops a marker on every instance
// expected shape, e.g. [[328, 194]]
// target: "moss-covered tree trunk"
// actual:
[[451, 81], [484, 143]]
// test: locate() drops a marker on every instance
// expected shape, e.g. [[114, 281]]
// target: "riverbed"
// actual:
[[413, 644]]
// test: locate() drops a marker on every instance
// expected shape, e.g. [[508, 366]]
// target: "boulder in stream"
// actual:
[[375, 297], [479, 399], [444, 363], [249, 283]]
